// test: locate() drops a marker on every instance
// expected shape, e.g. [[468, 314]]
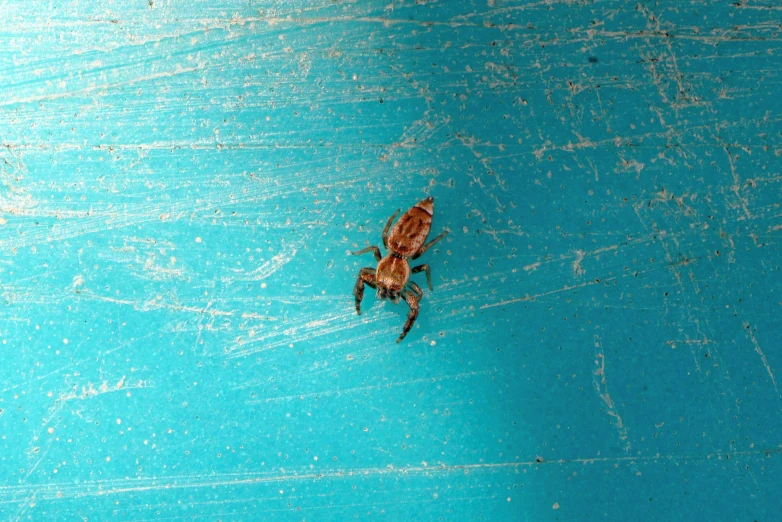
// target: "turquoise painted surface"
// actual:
[[181, 185]]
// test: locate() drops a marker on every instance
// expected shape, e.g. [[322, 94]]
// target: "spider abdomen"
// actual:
[[409, 233]]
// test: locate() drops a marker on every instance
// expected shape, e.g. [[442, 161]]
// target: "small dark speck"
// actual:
[[593, 59], [381, 100]]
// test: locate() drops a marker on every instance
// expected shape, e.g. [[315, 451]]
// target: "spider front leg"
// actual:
[[372, 248], [412, 301], [366, 275], [416, 290]]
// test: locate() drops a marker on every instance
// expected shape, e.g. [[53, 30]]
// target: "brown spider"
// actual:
[[391, 278]]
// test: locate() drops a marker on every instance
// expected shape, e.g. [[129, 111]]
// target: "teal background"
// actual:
[[181, 184]]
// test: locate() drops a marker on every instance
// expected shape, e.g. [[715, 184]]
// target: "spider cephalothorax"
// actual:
[[392, 275]]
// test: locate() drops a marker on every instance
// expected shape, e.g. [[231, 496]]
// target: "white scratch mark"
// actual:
[[300, 329], [737, 185], [601, 387], [40, 459], [363, 388], [102, 87], [269, 267], [577, 270], [105, 487], [544, 294], [156, 303], [759, 351], [89, 391], [533, 266]]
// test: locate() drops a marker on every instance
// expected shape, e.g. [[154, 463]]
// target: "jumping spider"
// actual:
[[391, 278]]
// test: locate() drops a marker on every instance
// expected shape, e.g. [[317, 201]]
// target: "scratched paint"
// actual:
[[181, 186]]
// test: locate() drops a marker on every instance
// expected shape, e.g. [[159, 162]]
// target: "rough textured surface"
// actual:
[[181, 185]]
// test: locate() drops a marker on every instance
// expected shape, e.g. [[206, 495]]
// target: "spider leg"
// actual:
[[424, 268], [411, 317], [372, 248], [366, 275], [388, 227], [416, 290], [429, 245]]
